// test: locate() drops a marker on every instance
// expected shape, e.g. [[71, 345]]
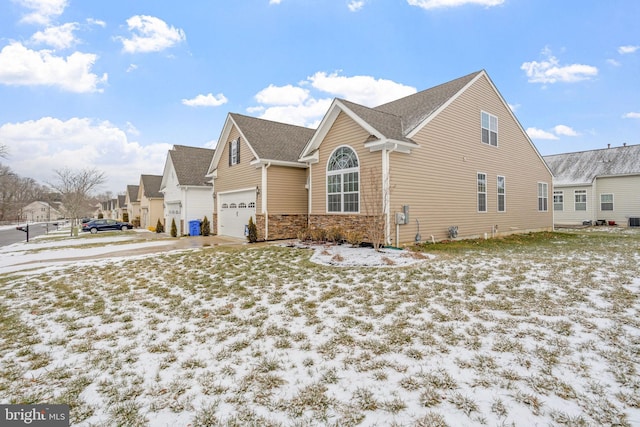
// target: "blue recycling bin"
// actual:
[[194, 227]]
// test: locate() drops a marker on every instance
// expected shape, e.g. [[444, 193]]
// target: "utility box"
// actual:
[[194, 227], [400, 218]]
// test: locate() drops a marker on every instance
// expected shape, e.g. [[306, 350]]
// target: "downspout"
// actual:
[[386, 195], [264, 200], [186, 211], [309, 193]]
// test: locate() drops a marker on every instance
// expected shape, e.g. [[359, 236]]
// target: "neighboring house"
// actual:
[[256, 174], [121, 206], [39, 211], [188, 193], [597, 185], [453, 157], [133, 204], [151, 200]]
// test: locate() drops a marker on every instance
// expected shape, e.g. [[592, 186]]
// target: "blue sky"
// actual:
[[113, 85]]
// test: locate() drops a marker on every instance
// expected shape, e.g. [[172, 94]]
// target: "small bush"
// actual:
[[151, 229], [205, 227], [125, 216], [159, 227], [304, 234], [174, 229], [100, 215], [136, 222], [253, 231], [353, 237], [318, 235], [335, 234]]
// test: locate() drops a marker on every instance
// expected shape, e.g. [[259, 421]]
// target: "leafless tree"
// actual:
[[15, 193], [75, 188], [4, 151], [375, 197]]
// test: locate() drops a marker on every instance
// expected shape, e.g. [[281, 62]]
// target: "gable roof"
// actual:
[[151, 185], [121, 200], [583, 167], [414, 109], [132, 191], [273, 140], [394, 121], [269, 141], [191, 164]]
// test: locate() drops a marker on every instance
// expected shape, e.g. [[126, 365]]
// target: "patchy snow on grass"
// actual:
[[530, 334]]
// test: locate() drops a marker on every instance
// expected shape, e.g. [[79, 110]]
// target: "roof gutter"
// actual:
[[391, 144]]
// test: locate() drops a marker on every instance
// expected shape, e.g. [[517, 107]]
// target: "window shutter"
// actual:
[[238, 151], [230, 145]]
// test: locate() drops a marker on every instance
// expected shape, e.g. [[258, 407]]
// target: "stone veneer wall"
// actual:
[[214, 224], [360, 223]]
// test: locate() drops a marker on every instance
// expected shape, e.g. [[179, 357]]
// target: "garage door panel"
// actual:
[[235, 210]]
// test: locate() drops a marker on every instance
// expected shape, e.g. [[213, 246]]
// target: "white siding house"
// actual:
[[188, 194], [597, 186]]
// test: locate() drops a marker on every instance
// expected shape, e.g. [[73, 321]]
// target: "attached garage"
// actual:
[[235, 210], [172, 213]]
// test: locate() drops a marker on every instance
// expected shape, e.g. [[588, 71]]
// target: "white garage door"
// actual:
[[235, 210], [172, 213]]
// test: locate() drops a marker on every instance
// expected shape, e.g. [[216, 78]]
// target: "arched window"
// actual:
[[343, 181]]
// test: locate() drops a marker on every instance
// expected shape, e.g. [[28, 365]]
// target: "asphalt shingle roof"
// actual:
[[583, 167], [151, 185], [133, 192], [272, 140], [414, 109], [191, 164]]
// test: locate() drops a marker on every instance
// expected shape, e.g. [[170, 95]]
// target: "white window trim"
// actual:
[[545, 196], [612, 202], [586, 200], [504, 182], [478, 193], [561, 194], [234, 151], [489, 129], [342, 172]]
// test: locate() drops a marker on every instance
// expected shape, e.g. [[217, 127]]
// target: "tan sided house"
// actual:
[[256, 173], [133, 203], [450, 161], [151, 200]]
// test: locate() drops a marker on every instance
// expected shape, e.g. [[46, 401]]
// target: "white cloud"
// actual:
[[98, 22], [514, 107], [624, 50], [208, 100], [365, 90], [60, 37], [150, 34], [613, 62], [436, 4], [282, 95], [564, 130], [43, 11], [297, 105], [631, 115], [25, 67], [550, 70], [38, 147], [132, 67], [275, 1], [535, 133], [355, 5]]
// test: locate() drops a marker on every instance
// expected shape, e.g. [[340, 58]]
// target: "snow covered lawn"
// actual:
[[545, 332]]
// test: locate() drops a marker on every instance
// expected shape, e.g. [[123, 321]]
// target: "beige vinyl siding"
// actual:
[[286, 193], [239, 176], [439, 180], [626, 199], [344, 131]]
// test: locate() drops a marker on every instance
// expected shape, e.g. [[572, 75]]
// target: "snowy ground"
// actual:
[[546, 333]]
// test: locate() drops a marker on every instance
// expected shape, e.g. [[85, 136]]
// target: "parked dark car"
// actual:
[[105, 224], [84, 221]]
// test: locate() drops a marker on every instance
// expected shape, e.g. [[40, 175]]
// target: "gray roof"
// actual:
[[414, 109], [151, 185], [583, 167], [191, 164], [121, 200], [272, 140], [132, 190], [388, 124]]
